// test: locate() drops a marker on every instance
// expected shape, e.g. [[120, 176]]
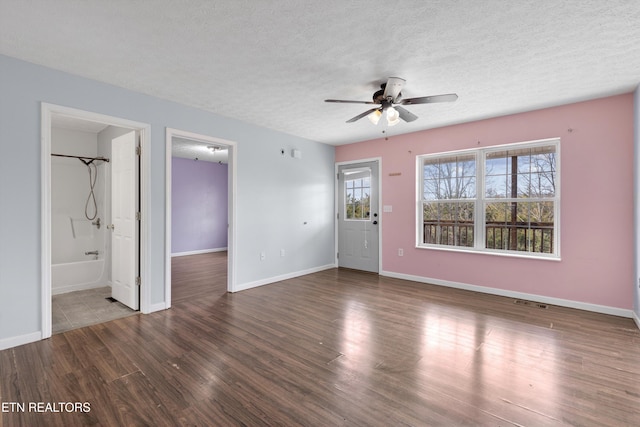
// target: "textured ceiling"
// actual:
[[272, 63]]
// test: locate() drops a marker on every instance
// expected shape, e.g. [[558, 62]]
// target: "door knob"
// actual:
[[375, 222]]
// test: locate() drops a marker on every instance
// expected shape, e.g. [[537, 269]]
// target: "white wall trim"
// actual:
[[168, 149], [269, 280], [636, 319], [635, 283], [513, 294], [145, 216], [47, 111], [45, 220], [20, 340], [232, 191], [202, 251]]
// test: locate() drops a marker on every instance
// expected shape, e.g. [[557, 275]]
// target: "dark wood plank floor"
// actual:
[[337, 347]]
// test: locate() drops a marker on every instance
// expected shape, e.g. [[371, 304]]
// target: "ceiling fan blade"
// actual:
[[430, 99], [405, 115], [343, 101], [359, 116], [393, 88]]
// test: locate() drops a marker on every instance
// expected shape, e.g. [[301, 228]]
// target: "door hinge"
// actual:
[[138, 281], [138, 151], [338, 215], [337, 255], [138, 216]]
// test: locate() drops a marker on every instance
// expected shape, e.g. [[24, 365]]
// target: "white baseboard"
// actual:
[[22, 339], [636, 319], [81, 287], [262, 282], [201, 251], [517, 295]]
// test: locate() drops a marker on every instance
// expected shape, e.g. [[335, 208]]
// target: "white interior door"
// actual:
[[124, 258], [358, 217]]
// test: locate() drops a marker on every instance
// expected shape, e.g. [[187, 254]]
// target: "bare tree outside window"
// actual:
[[515, 210], [525, 179], [357, 198], [449, 191]]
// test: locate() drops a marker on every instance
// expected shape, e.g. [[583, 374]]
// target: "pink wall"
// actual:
[[596, 202]]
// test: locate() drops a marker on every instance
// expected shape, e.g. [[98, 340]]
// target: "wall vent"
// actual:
[[530, 303]]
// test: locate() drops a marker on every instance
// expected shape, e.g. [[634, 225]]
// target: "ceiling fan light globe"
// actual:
[[375, 117], [393, 116]]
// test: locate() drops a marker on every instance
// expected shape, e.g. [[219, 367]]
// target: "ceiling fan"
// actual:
[[389, 99]]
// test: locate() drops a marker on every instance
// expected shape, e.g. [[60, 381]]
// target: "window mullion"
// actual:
[[479, 217]]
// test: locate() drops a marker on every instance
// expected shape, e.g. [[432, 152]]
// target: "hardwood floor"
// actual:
[[337, 347]]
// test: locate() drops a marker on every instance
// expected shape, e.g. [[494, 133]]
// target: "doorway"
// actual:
[[358, 215], [214, 231], [82, 261]]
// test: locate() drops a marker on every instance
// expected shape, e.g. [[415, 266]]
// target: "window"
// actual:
[[449, 193], [357, 194], [502, 199]]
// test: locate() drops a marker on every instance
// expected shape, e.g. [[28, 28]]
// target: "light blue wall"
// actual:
[[275, 194]]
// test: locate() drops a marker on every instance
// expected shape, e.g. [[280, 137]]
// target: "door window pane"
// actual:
[[357, 195]]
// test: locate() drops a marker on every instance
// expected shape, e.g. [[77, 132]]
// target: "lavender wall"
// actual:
[[199, 201]]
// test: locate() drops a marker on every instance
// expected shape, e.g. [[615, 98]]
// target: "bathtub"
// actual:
[[75, 276]]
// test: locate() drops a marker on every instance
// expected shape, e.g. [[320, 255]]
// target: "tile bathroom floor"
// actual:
[[83, 308]]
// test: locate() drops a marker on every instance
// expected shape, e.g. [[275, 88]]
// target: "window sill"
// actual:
[[526, 255]]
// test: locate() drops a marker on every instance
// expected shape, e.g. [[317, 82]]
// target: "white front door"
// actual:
[[124, 255], [358, 217]]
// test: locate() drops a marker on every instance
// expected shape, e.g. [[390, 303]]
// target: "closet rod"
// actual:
[[104, 159]]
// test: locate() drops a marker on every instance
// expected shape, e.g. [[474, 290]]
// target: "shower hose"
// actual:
[[93, 175]]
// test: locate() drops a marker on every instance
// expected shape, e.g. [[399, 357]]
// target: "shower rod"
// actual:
[[83, 158]]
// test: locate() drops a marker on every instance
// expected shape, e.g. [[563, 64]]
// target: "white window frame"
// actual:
[[357, 174], [481, 201]]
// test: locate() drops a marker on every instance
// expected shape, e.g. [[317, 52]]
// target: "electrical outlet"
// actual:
[[263, 256], [281, 252], [400, 252]]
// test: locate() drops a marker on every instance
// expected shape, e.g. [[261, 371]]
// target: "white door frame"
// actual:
[[231, 230], [337, 205], [47, 111]]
